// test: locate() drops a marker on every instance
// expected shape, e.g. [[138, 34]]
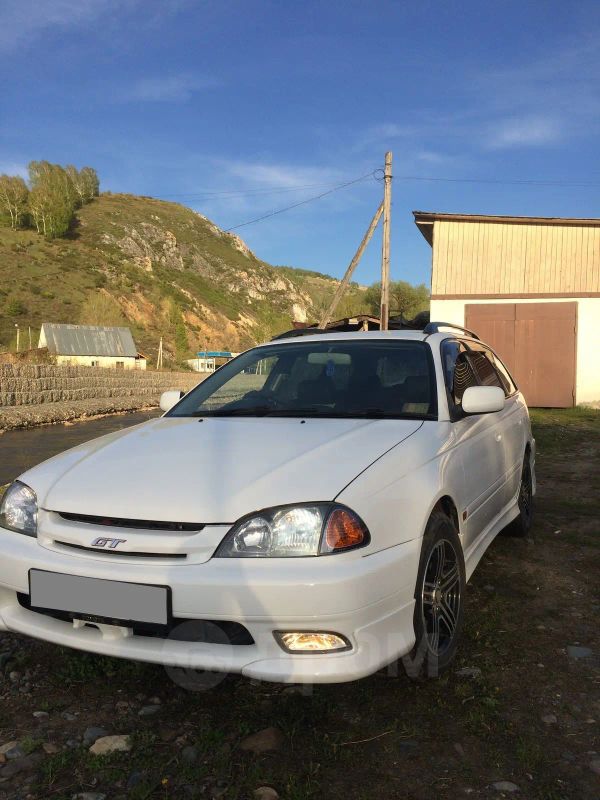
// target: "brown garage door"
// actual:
[[538, 343]]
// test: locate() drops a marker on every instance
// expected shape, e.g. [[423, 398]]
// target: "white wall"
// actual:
[[102, 361], [587, 388]]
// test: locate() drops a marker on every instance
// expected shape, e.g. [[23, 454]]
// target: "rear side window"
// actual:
[[458, 371], [485, 370], [507, 382], [490, 370]]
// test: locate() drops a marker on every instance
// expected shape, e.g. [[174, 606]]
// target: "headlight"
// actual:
[[305, 530], [18, 509]]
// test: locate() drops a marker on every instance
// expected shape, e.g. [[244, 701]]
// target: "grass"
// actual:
[[554, 428]]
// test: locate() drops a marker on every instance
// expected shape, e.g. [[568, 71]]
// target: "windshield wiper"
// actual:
[[250, 411]]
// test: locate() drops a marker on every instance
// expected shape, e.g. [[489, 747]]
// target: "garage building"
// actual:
[[530, 287]]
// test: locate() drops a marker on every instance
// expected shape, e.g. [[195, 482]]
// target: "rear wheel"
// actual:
[[521, 526], [439, 597]]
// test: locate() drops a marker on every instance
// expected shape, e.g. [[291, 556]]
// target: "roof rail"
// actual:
[[434, 327], [299, 332]]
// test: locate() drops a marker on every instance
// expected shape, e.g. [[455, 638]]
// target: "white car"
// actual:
[[309, 513]]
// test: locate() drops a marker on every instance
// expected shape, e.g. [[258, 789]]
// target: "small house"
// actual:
[[91, 346]]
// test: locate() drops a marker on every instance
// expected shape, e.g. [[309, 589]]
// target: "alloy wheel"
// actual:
[[525, 493], [441, 597]]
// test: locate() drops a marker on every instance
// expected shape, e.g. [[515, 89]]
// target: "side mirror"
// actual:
[[168, 399], [483, 399]]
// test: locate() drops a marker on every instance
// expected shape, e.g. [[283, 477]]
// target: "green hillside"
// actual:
[[160, 268]]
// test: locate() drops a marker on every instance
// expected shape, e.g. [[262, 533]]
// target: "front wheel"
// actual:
[[439, 598]]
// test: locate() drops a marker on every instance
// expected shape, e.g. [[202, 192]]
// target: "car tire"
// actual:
[[521, 526], [439, 599]]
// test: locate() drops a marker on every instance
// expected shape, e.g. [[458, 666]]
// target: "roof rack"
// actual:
[[434, 327], [299, 332]]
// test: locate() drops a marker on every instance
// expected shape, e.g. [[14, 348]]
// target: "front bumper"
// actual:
[[368, 599]]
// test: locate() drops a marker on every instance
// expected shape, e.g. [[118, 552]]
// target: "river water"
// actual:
[[24, 448]]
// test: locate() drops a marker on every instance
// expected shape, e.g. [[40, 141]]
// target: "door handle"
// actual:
[[498, 437]]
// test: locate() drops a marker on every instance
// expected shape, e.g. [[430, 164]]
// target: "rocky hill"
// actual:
[[160, 268]]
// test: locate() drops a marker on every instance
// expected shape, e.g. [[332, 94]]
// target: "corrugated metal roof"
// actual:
[[87, 340]]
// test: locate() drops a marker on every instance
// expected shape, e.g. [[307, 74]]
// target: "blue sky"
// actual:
[[188, 100]]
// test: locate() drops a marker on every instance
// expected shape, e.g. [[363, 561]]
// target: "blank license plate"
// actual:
[[113, 600]]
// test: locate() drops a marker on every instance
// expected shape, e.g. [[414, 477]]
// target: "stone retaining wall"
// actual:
[[34, 384], [39, 394]]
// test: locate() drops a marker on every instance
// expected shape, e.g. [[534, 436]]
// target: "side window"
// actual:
[[458, 371], [507, 382], [464, 377], [485, 369]]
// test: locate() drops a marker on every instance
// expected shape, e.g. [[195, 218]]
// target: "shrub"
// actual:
[[15, 307]]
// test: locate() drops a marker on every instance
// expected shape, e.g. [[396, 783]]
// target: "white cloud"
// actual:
[[167, 88], [524, 131], [537, 103], [24, 20], [265, 175]]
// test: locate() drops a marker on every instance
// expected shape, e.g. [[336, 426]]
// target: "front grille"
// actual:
[[178, 629], [111, 552], [140, 524]]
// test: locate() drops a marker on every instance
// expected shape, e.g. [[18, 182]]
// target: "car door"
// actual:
[[480, 440], [516, 426]]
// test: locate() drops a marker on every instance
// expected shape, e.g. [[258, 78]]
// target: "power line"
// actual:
[[527, 182], [285, 189], [302, 202]]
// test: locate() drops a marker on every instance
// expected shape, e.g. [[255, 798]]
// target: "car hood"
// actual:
[[213, 470]]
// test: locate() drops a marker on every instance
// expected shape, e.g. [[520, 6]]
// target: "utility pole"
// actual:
[[18, 335], [159, 358], [385, 248], [326, 318], [30, 337]]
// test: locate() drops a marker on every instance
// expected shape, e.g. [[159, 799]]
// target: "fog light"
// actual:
[[312, 641]]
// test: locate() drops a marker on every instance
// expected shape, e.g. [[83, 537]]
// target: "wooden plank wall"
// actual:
[[499, 258]]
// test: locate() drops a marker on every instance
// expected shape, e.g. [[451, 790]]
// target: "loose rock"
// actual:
[[264, 741], [505, 786], [469, 672], [89, 796], [12, 750], [148, 711], [111, 744], [25, 764], [91, 734], [266, 793], [577, 652], [549, 719]]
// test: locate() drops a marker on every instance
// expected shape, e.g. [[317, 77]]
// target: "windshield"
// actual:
[[320, 379]]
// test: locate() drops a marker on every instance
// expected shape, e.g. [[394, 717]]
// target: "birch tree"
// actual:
[[53, 198], [14, 197]]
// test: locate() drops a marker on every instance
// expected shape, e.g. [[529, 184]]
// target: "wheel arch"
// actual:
[[446, 504]]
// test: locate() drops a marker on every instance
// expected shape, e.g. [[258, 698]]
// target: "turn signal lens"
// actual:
[[311, 641], [344, 529]]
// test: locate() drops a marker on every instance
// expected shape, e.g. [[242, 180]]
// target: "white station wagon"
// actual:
[[308, 513]]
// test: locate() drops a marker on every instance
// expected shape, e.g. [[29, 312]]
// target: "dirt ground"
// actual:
[[520, 721]]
